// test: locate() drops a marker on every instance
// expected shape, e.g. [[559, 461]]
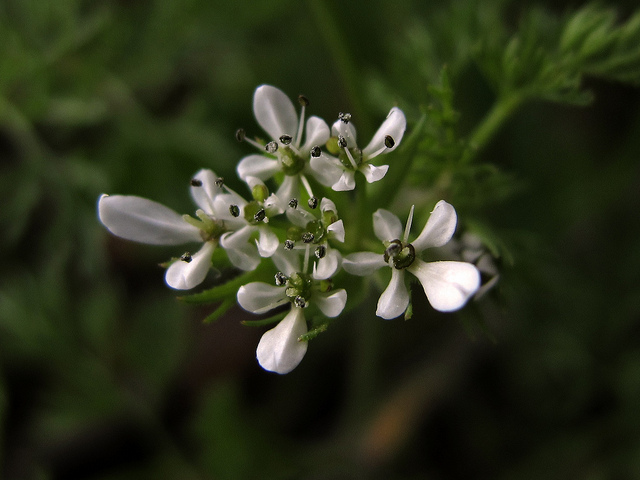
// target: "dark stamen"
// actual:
[[234, 210], [315, 151], [281, 279], [312, 202], [196, 183], [240, 134], [271, 147], [321, 251], [307, 237], [288, 244], [342, 142], [293, 203], [219, 182], [286, 139], [186, 257], [260, 215], [304, 101], [345, 117], [389, 142]]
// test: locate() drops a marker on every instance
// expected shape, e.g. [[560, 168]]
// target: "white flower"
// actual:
[[277, 116], [339, 173], [249, 218], [280, 349], [141, 220], [447, 285], [318, 232]]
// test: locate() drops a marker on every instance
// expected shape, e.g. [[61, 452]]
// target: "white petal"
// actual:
[[299, 216], [274, 111], [287, 261], [317, 134], [331, 304], [183, 276], [260, 297], [253, 181], [145, 221], [447, 285], [205, 194], [439, 228], [290, 188], [327, 266], [327, 205], [221, 211], [241, 253], [363, 263], [373, 173], [386, 225], [274, 205], [267, 241], [346, 182], [326, 169], [395, 299], [394, 125], [279, 349], [258, 166], [337, 230], [347, 130]]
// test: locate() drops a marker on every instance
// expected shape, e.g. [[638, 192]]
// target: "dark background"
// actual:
[[104, 375]]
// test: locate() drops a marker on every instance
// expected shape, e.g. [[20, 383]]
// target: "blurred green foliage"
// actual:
[[525, 116]]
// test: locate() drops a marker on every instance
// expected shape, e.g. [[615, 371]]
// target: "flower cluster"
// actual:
[[304, 240]]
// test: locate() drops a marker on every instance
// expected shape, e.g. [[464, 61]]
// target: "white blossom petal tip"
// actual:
[[145, 221], [274, 111], [386, 225], [395, 299], [191, 270], [260, 297], [447, 285], [279, 349], [333, 303], [439, 228]]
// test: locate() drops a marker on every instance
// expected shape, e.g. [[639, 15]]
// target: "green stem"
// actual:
[[500, 111]]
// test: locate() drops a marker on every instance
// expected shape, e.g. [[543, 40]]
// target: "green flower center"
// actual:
[[401, 254], [292, 164]]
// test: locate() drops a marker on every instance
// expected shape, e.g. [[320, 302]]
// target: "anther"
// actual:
[[289, 244], [342, 142], [321, 251], [293, 203], [281, 279], [345, 117], [307, 237], [315, 151], [271, 147], [219, 182], [240, 134], [313, 203], [260, 215], [304, 101], [186, 257], [196, 183], [286, 139], [300, 302], [234, 210], [389, 142]]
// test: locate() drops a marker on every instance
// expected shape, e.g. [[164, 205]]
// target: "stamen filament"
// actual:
[[300, 128], [407, 228], [377, 152], [306, 258], [307, 187], [251, 141], [351, 159]]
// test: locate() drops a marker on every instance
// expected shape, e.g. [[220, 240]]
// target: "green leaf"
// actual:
[[267, 321], [220, 310]]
